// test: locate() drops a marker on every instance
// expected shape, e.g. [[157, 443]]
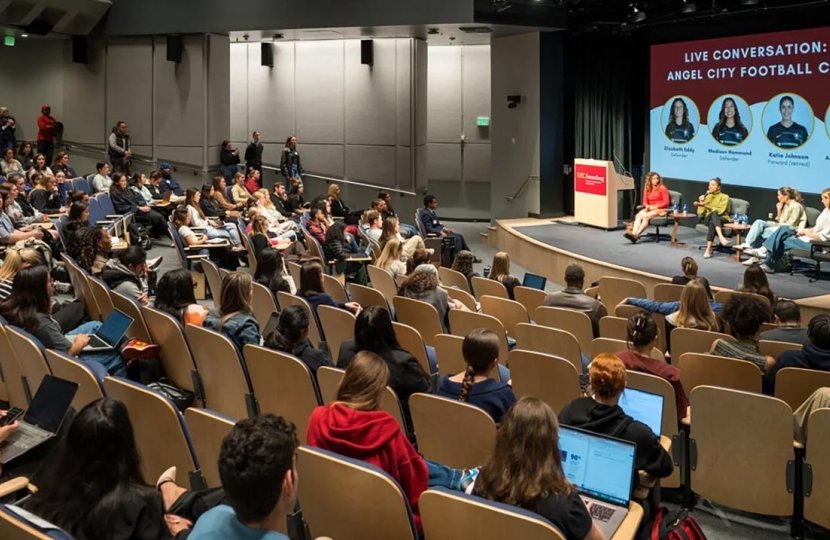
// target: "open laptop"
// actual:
[[644, 407], [165, 198], [109, 333], [43, 418], [602, 469], [534, 281]]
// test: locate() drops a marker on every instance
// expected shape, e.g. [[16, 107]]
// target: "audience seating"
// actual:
[[625, 311], [685, 340], [160, 432], [263, 304], [285, 299], [214, 281], [550, 378], [453, 279], [419, 315], [698, 369], [613, 346], [329, 378], [452, 432], [19, 394], [448, 354], [575, 322], [131, 307], [529, 297], [795, 385], [464, 322], [294, 269], [83, 292], [29, 352], [283, 385], [367, 296], [411, 341], [614, 328], [175, 355], [383, 281], [509, 312], [613, 290], [101, 293], [723, 297], [547, 340], [18, 524], [667, 292], [334, 288], [88, 375], [331, 508], [485, 286], [462, 296], [338, 327], [817, 468], [777, 348], [207, 429], [222, 374]]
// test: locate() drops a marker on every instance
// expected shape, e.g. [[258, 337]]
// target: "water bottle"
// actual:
[[685, 207], [486, 271], [674, 208]]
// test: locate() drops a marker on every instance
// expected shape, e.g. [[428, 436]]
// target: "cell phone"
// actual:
[[11, 415]]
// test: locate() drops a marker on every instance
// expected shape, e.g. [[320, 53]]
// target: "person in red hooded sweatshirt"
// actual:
[[46, 127], [353, 426]]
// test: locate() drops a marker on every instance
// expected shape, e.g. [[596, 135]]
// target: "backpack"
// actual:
[[676, 525], [140, 236]]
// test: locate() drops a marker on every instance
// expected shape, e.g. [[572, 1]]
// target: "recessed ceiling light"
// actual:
[[24, 35]]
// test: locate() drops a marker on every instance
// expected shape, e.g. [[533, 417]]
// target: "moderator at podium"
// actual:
[[656, 202]]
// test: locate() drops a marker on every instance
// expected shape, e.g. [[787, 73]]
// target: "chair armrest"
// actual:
[[200, 256], [798, 445], [358, 259], [819, 245], [13, 486], [687, 420]]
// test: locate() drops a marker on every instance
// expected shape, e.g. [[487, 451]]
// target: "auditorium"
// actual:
[[415, 269]]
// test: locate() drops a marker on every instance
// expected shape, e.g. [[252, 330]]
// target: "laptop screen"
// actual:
[[644, 407], [114, 327], [599, 466], [51, 401], [534, 281]]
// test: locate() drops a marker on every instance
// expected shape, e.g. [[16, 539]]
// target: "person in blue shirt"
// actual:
[[257, 466], [168, 183], [432, 225], [474, 385]]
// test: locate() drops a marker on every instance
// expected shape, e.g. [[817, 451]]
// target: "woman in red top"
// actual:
[[655, 202]]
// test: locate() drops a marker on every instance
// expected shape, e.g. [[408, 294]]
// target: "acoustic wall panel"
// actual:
[[270, 94], [319, 92]]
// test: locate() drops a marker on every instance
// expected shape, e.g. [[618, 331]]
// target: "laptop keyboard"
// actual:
[[600, 512], [95, 341], [25, 437]]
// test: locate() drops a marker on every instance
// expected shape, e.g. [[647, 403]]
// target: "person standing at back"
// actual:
[[253, 153], [290, 166], [573, 297], [46, 128], [118, 148]]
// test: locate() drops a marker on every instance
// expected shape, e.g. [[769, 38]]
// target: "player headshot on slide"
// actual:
[[679, 129], [787, 133], [729, 130]]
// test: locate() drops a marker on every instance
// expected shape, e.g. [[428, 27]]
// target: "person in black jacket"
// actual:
[[125, 201], [209, 205], [290, 166], [77, 220], [373, 332], [45, 197], [601, 414], [269, 268], [253, 153], [279, 197], [291, 336], [229, 158], [337, 248]]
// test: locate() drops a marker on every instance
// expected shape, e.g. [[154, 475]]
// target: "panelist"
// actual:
[[655, 202], [713, 209], [786, 238], [679, 129], [729, 130], [790, 213], [787, 133]]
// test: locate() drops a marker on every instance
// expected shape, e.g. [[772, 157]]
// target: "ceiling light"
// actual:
[[689, 7], [637, 16], [24, 35], [749, 2]]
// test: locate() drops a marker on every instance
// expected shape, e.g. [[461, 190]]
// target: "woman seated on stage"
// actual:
[[786, 238], [713, 209], [696, 308], [656, 200], [790, 213]]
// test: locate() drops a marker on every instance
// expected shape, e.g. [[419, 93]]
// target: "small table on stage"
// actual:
[[678, 216], [738, 229]]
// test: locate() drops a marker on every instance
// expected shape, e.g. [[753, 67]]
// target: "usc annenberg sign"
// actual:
[[590, 179]]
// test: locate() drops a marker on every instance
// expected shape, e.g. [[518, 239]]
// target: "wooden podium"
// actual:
[[596, 184]]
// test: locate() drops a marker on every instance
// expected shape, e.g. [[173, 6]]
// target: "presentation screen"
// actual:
[[752, 110]]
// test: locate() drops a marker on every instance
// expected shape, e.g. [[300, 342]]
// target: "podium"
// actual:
[[596, 184]]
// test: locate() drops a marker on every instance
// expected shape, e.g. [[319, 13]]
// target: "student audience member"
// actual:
[[26, 155], [192, 239], [311, 289], [47, 125], [168, 183], [14, 260], [475, 385], [61, 164], [279, 198], [525, 470], [337, 248], [257, 467], [252, 181], [463, 263], [77, 220], [102, 182], [220, 190], [253, 153], [9, 165], [229, 158], [290, 166], [238, 191], [278, 225], [419, 257], [386, 211], [787, 315], [138, 184], [755, 281], [744, 314], [390, 258], [175, 296], [9, 234], [317, 224], [573, 297], [17, 208], [94, 247], [213, 228], [39, 168], [815, 355], [688, 265], [392, 229], [154, 186], [601, 414], [211, 206], [641, 338], [422, 284], [695, 309], [339, 208], [44, 197], [235, 317], [291, 336], [128, 273], [269, 271], [127, 201], [500, 271], [432, 225], [374, 225]]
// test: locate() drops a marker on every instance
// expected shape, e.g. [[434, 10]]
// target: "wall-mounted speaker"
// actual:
[[174, 49], [80, 50], [267, 55], [367, 55], [39, 27]]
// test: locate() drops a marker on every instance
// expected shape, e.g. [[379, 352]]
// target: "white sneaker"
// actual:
[[762, 251], [742, 245], [753, 252], [750, 261]]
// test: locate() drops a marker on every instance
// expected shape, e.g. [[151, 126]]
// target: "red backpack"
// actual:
[[677, 525]]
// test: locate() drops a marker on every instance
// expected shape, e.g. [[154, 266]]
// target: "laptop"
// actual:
[[109, 333], [534, 281], [644, 407], [43, 419], [165, 198], [602, 469]]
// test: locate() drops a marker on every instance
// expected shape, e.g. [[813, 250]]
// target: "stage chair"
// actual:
[[13, 375], [207, 429], [214, 281], [160, 432], [448, 354], [528, 297], [777, 348], [462, 296], [331, 508], [130, 307], [728, 468], [553, 341], [817, 468], [795, 385], [338, 327], [101, 293], [685, 340], [612, 346], [18, 524], [329, 379], [88, 375], [664, 221], [707, 369], [550, 378], [175, 354], [334, 288], [667, 292], [263, 304], [315, 334], [452, 432], [222, 373], [509, 312], [419, 315], [452, 278], [283, 385], [29, 352], [411, 341], [613, 290], [575, 322], [367, 296], [484, 286], [448, 515], [464, 322], [739, 206], [383, 281]]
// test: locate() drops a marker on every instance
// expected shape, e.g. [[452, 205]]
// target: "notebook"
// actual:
[[534, 281], [602, 469], [109, 333], [43, 418], [644, 407]]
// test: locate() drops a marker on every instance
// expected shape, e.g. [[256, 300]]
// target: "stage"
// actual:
[[547, 246]]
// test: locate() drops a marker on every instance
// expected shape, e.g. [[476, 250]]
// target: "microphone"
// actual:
[[619, 162]]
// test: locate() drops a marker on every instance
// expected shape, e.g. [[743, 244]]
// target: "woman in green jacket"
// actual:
[[713, 209]]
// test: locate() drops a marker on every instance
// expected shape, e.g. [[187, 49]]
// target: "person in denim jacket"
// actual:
[[235, 318]]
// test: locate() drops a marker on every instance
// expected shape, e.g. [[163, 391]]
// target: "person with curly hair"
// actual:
[[464, 263], [422, 284], [745, 313], [94, 247]]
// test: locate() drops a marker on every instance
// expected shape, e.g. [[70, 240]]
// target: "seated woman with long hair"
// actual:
[[211, 206], [525, 470], [45, 196], [463, 263], [127, 201], [392, 229], [76, 220], [422, 284], [213, 228], [696, 308], [475, 385], [656, 201], [755, 281], [235, 318], [419, 257], [175, 296], [311, 289], [190, 238], [500, 271], [94, 247], [15, 260], [291, 336], [713, 210], [269, 271], [338, 248], [390, 258], [278, 225]]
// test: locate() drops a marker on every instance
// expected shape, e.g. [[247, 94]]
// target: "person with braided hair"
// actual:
[[475, 385]]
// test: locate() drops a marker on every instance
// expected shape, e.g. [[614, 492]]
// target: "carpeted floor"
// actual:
[[660, 258]]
